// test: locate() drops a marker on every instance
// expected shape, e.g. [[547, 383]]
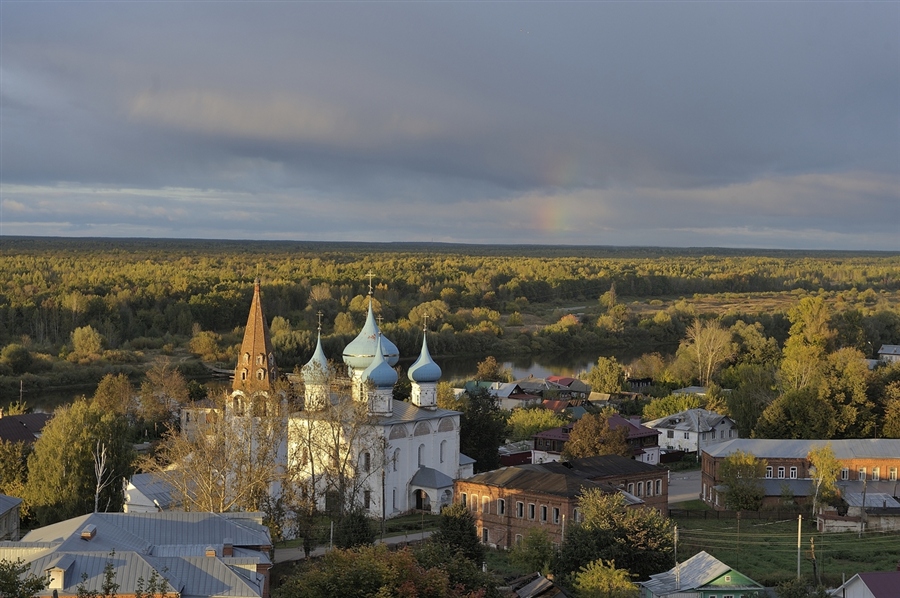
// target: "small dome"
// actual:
[[316, 369], [379, 372], [361, 350], [424, 369]]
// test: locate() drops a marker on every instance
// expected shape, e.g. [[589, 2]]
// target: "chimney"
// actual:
[[210, 551], [228, 547], [88, 532]]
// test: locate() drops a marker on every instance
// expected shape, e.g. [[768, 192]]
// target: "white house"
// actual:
[[889, 353], [874, 584], [693, 430]]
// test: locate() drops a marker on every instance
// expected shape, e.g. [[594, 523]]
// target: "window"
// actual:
[[845, 474], [631, 488], [861, 474], [687, 435], [260, 359], [781, 473], [485, 504], [721, 434], [260, 374], [658, 487], [670, 434], [484, 535], [501, 506], [246, 358], [576, 515], [443, 449], [531, 510], [421, 455], [462, 499], [731, 433], [793, 473], [396, 458], [366, 462], [518, 538], [769, 471], [555, 514], [638, 488], [367, 499], [544, 513], [649, 488], [520, 509], [876, 474], [892, 475], [474, 502]]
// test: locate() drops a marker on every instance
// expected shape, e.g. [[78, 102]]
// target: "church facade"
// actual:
[[352, 444]]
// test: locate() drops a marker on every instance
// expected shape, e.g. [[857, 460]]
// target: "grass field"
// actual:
[[767, 550]]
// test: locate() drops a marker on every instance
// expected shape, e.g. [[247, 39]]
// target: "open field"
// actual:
[[767, 550]]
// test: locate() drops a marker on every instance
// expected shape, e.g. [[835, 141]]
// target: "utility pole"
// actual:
[[799, 521]]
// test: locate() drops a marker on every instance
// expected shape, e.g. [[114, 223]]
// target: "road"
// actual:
[[684, 485]]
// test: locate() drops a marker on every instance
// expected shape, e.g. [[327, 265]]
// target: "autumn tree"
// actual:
[[13, 470], [490, 370], [639, 540], [606, 376], [824, 471], [592, 435], [232, 462], [86, 341], [670, 404], [601, 579], [797, 414], [163, 393], [742, 474], [710, 346], [61, 476], [525, 423], [114, 394]]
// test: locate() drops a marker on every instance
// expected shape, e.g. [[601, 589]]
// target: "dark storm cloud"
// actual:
[[749, 124]]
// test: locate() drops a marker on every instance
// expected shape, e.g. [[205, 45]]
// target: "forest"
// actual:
[[74, 310]]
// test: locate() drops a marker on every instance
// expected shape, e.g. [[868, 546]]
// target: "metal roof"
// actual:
[[694, 573], [856, 448], [8, 503], [427, 477], [25, 427], [547, 478], [691, 420]]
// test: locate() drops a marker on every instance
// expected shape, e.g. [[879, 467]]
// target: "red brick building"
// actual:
[[507, 502], [870, 461]]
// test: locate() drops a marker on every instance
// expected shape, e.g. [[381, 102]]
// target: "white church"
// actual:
[[394, 456]]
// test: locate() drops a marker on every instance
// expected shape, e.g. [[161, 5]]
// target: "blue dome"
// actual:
[[361, 350], [379, 372], [424, 369], [316, 369]]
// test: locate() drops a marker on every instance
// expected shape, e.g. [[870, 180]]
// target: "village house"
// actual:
[[693, 430], [509, 501], [9, 517], [701, 576], [643, 441], [866, 461], [200, 555], [871, 584]]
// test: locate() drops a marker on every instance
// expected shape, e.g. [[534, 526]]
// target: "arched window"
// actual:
[[244, 374], [421, 455], [443, 449], [396, 458], [246, 358], [260, 359], [366, 462], [260, 374]]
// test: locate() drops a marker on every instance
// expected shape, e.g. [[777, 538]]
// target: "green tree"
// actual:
[[843, 386], [533, 553], [606, 376], [114, 394], [463, 574], [592, 435], [17, 580], [599, 579], [163, 393], [639, 540], [742, 473], [482, 429], [753, 391], [370, 572], [435, 310], [669, 405], [824, 471], [86, 341], [353, 529], [797, 414], [17, 358], [446, 397], [525, 423], [456, 529], [891, 426], [62, 482]]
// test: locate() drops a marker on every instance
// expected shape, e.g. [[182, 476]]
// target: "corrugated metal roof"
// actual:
[[548, 478], [426, 477], [872, 448], [694, 573], [873, 500]]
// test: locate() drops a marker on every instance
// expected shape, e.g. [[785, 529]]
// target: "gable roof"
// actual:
[[23, 428], [8, 503], [691, 420], [697, 571], [882, 584]]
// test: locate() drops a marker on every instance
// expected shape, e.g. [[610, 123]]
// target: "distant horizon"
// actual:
[[450, 244]]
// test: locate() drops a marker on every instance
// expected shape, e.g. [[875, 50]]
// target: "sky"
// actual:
[[679, 124]]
